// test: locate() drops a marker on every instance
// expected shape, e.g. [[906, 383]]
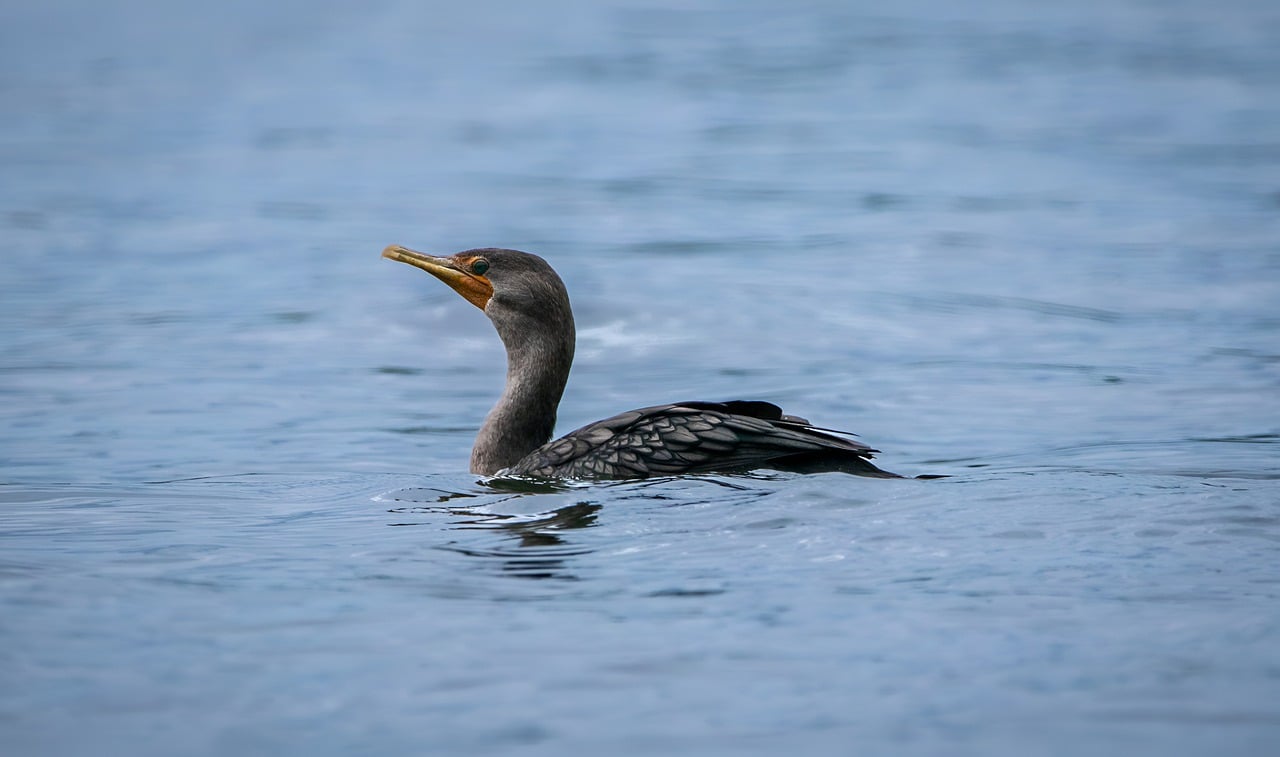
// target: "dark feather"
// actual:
[[697, 437]]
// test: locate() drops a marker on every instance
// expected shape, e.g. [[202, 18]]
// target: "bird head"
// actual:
[[506, 284]]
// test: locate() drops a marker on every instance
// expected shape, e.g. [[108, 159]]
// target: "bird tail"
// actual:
[[830, 461]]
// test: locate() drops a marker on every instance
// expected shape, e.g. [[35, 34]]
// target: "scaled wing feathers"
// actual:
[[693, 437]]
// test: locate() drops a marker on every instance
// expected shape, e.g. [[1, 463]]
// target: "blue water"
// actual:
[[1033, 246]]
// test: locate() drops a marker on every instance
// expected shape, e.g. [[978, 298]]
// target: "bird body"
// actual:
[[529, 306], [696, 437]]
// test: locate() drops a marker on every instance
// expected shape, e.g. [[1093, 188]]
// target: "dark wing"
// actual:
[[697, 437]]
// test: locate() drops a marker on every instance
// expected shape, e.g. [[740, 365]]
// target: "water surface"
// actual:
[[1034, 248]]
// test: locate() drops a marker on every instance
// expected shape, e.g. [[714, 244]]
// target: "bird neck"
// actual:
[[538, 363]]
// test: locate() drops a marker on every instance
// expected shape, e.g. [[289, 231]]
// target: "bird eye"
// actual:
[[479, 266]]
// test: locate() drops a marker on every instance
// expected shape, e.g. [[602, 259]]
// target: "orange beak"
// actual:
[[476, 288]]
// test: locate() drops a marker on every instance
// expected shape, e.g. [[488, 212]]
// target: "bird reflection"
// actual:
[[542, 532], [533, 519], [539, 552], [534, 545]]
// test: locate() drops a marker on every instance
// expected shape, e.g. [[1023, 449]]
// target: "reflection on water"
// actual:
[[533, 546], [530, 519], [540, 550]]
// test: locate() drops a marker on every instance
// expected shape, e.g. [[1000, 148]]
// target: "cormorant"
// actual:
[[528, 305]]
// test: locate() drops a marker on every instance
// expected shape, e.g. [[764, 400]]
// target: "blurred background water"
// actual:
[[1035, 246]]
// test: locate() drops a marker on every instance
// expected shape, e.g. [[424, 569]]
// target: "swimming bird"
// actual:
[[529, 306]]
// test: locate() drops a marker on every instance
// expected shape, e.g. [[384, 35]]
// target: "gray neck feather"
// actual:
[[539, 356]]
